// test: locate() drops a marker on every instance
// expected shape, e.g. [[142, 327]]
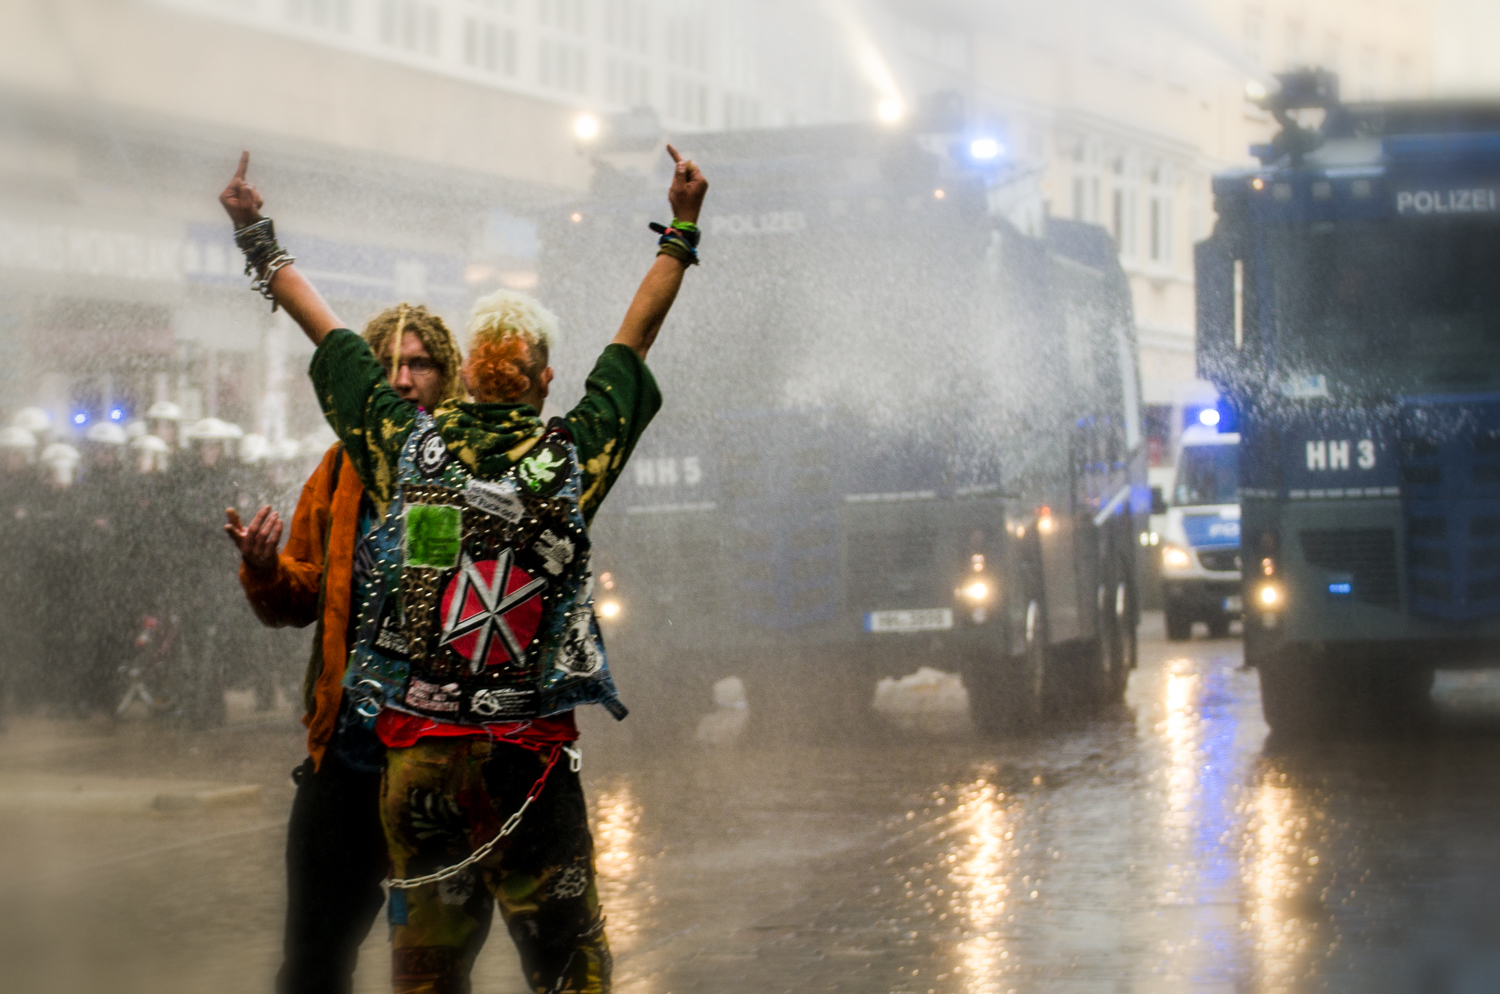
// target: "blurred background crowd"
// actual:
[[120, 595]]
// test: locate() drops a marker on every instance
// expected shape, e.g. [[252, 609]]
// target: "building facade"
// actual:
[[412, 146]]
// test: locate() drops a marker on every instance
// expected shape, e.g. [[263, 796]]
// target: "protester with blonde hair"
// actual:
[[477, 638], [335, 848]]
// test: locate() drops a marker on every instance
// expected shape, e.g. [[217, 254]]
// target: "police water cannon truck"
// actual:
[[1349, 312], [899, 431]]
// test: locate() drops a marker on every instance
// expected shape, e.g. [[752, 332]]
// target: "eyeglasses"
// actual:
[[418, 366]]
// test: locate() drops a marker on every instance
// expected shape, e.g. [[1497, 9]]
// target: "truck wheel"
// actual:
[[1218, 626], [1114, 644], [1179, 623], [1127, 605], [1034, 681], [1291, 698], [1008, 694], [984, 677]]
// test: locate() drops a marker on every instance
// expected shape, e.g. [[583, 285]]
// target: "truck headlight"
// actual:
[[1174, 557], [1270, 597], [975, 591], [610, 609]]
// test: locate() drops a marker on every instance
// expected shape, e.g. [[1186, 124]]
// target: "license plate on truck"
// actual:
[[1232, 603], [934, 619]]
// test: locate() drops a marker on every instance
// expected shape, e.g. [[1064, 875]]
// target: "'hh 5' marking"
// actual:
[[1334, 454]]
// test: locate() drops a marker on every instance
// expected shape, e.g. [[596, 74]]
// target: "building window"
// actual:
[[416, 27], [488, 46], [561, 66], [1158, 230], [626, 84], [565, 15], [334, 15]]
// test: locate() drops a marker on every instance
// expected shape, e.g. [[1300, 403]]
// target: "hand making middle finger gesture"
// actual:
[[688, 188], [242, 202]]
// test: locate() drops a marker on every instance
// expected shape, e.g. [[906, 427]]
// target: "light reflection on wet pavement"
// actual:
[[1166, 847]]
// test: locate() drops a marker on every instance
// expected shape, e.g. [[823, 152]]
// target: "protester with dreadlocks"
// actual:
[[477, 637], [335, 848]]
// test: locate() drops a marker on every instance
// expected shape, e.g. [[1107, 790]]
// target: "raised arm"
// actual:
[[287, 288], [659, 289]]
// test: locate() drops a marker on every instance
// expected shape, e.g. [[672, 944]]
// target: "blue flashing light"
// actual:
[[1209, 417], [986, 148], [116, 414], [1342, 588], [80, 418]]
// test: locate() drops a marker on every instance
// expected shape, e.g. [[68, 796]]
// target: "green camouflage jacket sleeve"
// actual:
[[369, 417], [619, 401]]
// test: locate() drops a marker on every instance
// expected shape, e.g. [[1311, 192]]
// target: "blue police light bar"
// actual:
[[116, 414], [1341, 589], [80, 418], [1209, 417], [986, 148]]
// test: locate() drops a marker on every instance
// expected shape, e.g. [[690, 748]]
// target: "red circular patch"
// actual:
[[490, 617]]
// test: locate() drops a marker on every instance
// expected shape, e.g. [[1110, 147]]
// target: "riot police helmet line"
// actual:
[[164, 410], [60, 454], [105, 433], [33, 419], [17, 438], [150, 443], [213, 430]]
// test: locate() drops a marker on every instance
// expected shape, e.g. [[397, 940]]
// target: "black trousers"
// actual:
[[335, 861]]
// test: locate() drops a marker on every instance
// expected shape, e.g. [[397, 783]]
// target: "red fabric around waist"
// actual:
[[398, 730]]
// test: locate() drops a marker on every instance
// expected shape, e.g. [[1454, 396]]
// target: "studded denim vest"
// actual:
[[480, 600]]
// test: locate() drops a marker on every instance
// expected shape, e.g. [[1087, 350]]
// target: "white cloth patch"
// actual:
[[501, 499], [579, 655], [556, 552]]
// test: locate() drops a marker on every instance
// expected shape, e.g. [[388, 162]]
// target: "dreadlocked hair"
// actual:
[[384, 331], [510, 339]]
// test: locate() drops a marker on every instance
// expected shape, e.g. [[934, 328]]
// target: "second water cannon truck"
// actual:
[[1349, 313]]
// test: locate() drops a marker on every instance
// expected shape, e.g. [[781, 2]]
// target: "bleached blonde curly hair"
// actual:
[[510, 339]]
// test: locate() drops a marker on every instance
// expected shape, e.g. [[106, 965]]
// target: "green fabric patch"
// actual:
[[434, 533]]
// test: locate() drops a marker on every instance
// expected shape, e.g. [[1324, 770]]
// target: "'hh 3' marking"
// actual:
[[1334, 454]]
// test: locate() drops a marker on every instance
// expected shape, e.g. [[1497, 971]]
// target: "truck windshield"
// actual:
[[1386, 307], [1208, 474]]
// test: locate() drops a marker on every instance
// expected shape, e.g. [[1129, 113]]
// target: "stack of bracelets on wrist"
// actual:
[[263, 256], [679, 240]]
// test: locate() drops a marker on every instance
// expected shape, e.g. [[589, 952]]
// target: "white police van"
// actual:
[[1200, 545]]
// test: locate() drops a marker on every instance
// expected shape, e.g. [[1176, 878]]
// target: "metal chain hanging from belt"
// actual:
[[575, 763]]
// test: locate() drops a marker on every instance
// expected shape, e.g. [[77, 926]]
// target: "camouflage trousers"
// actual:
[[445, 797]]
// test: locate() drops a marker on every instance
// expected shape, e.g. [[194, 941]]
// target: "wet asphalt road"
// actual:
[[1164, 847]]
